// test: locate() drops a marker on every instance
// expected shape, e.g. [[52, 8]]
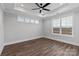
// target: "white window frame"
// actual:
[[60, 18], [20, 19]]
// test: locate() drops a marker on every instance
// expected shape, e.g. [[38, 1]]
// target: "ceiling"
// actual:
[[26, 8]]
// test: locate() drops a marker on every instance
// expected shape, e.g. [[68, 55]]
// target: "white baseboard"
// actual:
[[13, 42], [73, 43], [1, 49], [8, 43]]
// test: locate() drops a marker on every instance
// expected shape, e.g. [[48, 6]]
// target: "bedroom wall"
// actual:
[[18, 32], [1, 31], [68, 39]]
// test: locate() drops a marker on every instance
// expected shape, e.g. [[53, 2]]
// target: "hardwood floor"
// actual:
[[41, 47]]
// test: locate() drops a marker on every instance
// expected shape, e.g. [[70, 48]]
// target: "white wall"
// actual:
[[72, 40], [1, 31], [17, 32]]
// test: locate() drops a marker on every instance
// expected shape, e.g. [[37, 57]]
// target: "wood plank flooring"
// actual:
[[41, 47]]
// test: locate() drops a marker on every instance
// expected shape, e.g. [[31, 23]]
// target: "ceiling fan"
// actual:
[[41, 7]]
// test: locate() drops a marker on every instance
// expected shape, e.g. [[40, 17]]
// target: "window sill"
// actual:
[[62, 35]]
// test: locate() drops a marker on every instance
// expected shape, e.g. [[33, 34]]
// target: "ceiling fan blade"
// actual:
[[37, 4], [41, 4], [46, 9], [46, 5], [35, 8], [40, 11]]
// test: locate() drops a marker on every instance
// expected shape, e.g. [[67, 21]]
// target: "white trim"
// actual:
[[73, 43], [60, 18], [1, 49], [8, 43], [62, 35]]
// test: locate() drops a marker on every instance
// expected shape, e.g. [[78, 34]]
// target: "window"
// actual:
[[32, 21], [20, 19], [56, 26], [63, 25], [66, 25], [27, 20], [36, 21]]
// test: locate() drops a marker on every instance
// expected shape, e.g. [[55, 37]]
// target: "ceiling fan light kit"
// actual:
[[41, 7]]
